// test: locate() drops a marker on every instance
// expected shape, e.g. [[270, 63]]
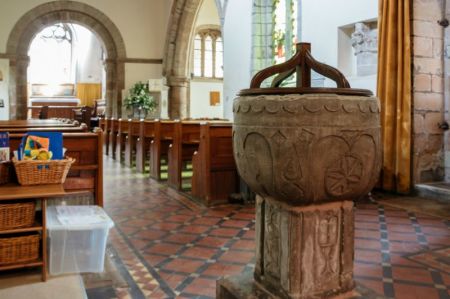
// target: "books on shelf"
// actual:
[[4, 147]]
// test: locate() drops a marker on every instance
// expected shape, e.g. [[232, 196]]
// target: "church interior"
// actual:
[[224, 149]]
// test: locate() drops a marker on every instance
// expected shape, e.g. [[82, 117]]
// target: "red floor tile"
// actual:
[[195, 229], [237, 256], [154, 259], [235, 223], [199, 252], [202, 287], [183, 265], [150, 234], [166, 226], [375, 271], [173, 280], [164, 248], [181, 238], [368, 256], [375, 285], [220, 269], [206, 220], [407, 291], [224, 232], [213, 241], [413, 275], [244, 244]]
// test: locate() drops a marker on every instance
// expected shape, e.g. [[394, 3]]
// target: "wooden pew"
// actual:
[[113, 136], [82, 128], [86, 174], [106, 135], [164, 131], [185, 142], [214, 174], [131, 140], [52, 111], [83, 115], [35, 123], [146, 135], [102, 123], [122, 132]]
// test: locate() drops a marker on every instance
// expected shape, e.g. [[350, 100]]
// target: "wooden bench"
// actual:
[[33, 123], [159, 146], [131, 141], [122, 132], [186, 139], [113, 130], [102, 124], [83, 115], [146, 136], [82, 128], [86, 174], [214, 174], [98, 112], [106, 135], [52, 111]]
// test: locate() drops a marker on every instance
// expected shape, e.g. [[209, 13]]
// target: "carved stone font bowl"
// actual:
[[307, 148]]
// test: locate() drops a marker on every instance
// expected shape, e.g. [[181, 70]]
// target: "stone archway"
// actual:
[[176, 59], [51, 13], [177, 54]]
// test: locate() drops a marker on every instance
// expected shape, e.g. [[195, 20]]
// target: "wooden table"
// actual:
[[33, 123], [12, 192]]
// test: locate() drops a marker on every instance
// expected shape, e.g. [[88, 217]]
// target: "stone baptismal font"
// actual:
[[307, 153]]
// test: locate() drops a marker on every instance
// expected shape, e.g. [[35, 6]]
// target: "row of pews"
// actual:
[[86, 174], [152, 144]]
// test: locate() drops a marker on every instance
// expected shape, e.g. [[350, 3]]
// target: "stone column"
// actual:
[[111, 91], [18, 87], [178, 97]]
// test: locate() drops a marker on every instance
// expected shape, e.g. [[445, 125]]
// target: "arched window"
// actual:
[[52, 57], [208, 54]]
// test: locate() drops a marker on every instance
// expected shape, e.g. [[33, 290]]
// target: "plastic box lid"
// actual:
[[77, 218]]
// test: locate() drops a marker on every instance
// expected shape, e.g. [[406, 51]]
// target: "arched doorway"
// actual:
[[51, 13], [176, 66]]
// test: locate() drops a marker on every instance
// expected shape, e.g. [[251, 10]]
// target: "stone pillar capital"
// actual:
[[178, 81]]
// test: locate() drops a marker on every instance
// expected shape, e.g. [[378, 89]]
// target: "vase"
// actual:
[[143, 113], [136, 112]]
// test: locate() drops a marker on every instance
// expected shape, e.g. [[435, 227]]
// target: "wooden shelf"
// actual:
[[14, 191], [22, 265], [84, 167], [37, 227]]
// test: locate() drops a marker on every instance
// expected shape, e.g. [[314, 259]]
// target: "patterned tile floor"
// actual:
[[167, 246]]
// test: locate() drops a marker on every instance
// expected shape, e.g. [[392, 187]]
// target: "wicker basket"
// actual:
[[16, 215], [5, 172], [19, 249], [37, 172]]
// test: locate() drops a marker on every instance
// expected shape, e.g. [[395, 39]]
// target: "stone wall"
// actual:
[[428, 91], [446, 54]]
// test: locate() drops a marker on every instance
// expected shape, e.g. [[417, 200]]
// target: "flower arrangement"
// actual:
[[139, 98]]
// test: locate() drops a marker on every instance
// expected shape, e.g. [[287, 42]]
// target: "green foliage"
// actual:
[[139, 96]]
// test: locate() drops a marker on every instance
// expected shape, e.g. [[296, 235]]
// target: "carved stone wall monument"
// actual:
[[365, 43], [307, 153]]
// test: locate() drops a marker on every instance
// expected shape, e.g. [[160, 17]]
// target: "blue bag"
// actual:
[[55, 146]]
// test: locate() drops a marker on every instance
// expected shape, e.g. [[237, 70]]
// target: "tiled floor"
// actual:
[[166, 246]]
